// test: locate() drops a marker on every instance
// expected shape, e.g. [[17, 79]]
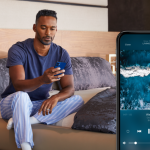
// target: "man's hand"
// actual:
[[17, 75], [67, 85], [48, 105], [48, 76]]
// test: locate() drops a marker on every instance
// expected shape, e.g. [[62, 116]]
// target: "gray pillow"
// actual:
[[4, 76], [98, 114], [91, 72]]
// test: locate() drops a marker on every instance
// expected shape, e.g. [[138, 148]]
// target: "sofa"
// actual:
[[92, 78]]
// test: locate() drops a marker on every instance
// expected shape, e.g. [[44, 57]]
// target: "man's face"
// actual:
[[45, 29]]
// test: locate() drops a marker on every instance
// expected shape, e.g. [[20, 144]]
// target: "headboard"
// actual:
[[77, 43]]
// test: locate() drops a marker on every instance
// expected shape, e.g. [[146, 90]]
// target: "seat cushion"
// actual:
[[47, 137]]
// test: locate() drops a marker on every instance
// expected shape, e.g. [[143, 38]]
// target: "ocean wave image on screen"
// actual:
[[135, 79]]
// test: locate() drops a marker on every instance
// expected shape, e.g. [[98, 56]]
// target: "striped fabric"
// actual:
[[19, 107]]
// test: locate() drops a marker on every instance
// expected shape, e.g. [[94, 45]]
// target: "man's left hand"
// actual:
[[48, 105]]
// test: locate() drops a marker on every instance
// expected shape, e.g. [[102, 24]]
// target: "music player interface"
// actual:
[[135, 92]]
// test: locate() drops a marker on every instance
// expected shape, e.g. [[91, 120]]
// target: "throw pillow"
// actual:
[[91, 72], [98, 114], [4, 75]]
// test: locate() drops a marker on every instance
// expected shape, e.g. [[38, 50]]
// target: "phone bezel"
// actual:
[[118, 79]]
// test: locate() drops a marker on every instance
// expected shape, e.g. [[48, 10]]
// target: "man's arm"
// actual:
[[17, 75], [67, 84]]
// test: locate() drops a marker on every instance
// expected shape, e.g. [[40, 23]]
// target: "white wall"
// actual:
[[17, 14], [88, 2]]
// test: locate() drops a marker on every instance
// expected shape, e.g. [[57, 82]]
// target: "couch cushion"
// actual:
[[98, 114], [4, 75], [47, 137], [88, 94]]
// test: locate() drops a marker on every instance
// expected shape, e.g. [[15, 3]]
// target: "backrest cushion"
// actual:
[[91, 72], [4, 75]]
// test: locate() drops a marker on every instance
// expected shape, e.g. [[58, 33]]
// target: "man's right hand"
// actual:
[[17, 75], [48, 76]]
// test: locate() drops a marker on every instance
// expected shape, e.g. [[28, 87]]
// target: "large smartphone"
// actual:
[[133, 90], [61, 65]]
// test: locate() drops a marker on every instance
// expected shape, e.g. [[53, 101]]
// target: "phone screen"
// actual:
[[133, 91]]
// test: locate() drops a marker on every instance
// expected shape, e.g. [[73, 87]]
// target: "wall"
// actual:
[[77, 43], [15, 14], [87, 2]]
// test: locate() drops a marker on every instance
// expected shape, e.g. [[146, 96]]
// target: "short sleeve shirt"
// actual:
[[23, 53]]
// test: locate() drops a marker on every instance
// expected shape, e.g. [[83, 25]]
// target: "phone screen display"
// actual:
[[133, 58]]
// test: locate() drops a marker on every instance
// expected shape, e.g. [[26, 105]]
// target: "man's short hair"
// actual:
[[45, 12]]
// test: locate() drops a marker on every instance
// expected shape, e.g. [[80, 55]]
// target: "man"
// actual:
[[31, 68]]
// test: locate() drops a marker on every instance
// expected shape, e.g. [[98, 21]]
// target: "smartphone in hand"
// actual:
[[61, 65]]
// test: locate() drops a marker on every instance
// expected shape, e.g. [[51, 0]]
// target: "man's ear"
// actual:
[[34, 27]]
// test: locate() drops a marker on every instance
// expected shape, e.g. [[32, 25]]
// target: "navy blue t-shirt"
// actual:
[[23, 53]]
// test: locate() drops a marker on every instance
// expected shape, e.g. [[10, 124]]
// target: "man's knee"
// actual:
[[21, 99], [22, 96], [79, 99]]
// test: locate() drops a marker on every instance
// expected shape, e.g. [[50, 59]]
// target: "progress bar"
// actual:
[[139, 143]]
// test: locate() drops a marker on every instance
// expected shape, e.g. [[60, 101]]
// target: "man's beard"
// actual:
[[42, 39]]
